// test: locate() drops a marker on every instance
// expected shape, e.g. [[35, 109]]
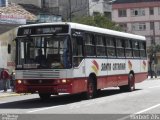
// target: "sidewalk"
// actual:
[[149, 78], [8, 93]]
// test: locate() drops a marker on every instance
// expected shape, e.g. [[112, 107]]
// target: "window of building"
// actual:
[[45, 3], [138, 12], [9, 48], [108, 15], [139, 26], [122, 13], [151, 11], [159, 10], [151, 25], [123, 26], [95, 13]]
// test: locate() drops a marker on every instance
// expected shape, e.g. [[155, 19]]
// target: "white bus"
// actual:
[[77, 58]]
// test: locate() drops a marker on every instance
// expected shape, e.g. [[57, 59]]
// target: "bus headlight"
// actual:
[[19, 81], [64, 81]]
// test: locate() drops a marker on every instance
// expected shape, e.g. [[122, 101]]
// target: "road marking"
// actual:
[[142, 111], [155, 86], [3, 102], [46, 108]]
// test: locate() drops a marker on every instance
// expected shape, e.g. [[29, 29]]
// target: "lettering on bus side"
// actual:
[[119, 66], [114, 66], [106, 66]]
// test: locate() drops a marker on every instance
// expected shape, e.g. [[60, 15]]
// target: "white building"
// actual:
[[100, 6]]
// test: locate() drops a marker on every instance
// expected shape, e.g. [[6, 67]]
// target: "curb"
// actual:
[[158, 78], [9, 95], [3, 95]]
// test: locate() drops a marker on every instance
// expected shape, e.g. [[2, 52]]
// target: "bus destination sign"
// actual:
[[37, 30]]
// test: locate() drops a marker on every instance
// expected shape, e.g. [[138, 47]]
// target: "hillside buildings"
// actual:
[[139, 17]]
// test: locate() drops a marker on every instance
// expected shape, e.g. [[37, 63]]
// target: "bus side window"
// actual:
[[100, 46], [128, 49], [120, 47], [77, 46], [77, 50], [90, 45], [135, 46], [110, 43], [142, 46]]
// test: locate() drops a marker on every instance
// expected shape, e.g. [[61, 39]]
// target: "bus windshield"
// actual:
[[43, 52]]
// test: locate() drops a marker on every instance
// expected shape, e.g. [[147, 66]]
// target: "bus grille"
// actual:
[[34, 74]]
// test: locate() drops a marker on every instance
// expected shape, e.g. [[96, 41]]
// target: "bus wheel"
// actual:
[[131, 83], [91, 88], [44, 96]]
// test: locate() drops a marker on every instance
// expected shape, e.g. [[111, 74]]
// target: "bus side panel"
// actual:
[[139, 77], [122, 79], [79, 85], [111, 81], [139, 67], [117, 74], [105, 81]]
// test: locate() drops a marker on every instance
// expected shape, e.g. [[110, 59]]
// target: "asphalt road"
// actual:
[[144, 100]]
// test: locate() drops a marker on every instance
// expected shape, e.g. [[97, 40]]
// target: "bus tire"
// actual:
[[131, 84], [44, 96], [91, 88]]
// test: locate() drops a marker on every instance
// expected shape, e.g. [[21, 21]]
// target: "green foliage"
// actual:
[[153, 49], [98, 21]]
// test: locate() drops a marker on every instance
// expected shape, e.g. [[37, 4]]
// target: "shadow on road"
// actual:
[[55, 100]]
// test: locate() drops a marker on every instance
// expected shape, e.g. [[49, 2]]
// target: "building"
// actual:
[[66, 8], [33, 2], [3, 3], [139, 17], [100, 6], [7, 47], [26, 12]]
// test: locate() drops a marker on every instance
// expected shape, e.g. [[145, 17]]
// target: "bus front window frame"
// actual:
[[31, 46]]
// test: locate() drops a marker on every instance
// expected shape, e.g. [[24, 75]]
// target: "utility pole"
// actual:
[[153, 57], [154, 51], [70, 11]]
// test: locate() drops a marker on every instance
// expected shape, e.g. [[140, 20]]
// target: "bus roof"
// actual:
[[91, 29]]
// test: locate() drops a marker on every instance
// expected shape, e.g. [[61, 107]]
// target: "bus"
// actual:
[[77, 58]]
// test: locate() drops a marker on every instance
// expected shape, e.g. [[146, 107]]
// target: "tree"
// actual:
[[98, 21]]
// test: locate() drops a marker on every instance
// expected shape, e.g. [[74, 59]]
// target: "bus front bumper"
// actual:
[[44, 89]]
